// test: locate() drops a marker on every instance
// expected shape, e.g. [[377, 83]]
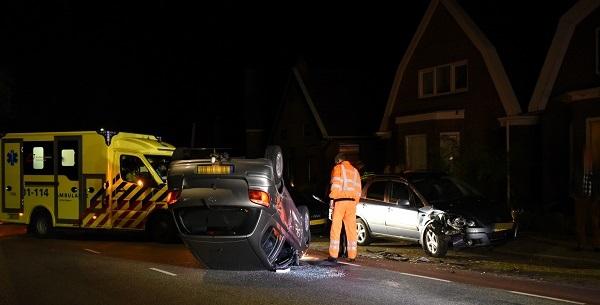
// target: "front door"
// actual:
[[69, 201], [402, 220], [416, 152], [373, 207], [12, 178]]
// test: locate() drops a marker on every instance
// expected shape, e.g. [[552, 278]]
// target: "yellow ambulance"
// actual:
[[87, 180]]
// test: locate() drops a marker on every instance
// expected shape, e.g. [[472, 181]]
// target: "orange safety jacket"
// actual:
[[345, 182]]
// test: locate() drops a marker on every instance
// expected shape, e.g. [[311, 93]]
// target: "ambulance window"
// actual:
[[38, 158], [133, 170], [68, 157]]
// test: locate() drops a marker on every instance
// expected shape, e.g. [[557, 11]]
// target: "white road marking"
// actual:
[[351, 264], [162, 271], [90, 250], [426, 277], [545, 297]]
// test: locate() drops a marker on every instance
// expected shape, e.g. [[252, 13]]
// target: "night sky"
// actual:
[[159, 66]]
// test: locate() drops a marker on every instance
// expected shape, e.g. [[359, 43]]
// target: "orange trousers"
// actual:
[[343, 211]]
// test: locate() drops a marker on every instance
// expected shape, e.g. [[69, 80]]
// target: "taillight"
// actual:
[[172, 196], [259, 197]]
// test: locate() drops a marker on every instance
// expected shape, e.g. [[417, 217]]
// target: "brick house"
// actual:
[[458, 96], [567, 101]]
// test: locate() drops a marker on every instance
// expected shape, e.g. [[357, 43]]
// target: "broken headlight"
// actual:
[[459, 222]]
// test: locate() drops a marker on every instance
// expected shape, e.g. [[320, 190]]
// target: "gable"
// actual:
[[553, 64], [295, 118], [490, 57]]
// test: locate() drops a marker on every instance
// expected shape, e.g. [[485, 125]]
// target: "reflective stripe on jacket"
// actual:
[[345, 182]]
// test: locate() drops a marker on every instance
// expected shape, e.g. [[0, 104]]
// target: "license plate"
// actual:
[[214, 169], [503, 226]]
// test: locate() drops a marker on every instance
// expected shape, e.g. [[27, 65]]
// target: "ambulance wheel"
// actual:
[[41, 224], [273, 153], [161, 228]]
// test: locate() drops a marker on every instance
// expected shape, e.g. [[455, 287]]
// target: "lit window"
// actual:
[[68, 157], [38, 158]]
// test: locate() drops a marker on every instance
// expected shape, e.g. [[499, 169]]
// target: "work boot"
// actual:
[[352, 260], [332, 259]]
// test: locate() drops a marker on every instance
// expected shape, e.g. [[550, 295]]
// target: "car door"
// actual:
[[402, 219], [372, 207]]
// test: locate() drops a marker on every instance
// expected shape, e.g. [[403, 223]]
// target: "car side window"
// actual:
[[399, 192], [415, 200], [376, 190]]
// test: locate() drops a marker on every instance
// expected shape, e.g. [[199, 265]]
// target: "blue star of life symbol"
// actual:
[[12, 157]]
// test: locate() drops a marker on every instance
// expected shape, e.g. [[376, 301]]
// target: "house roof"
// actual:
[[557, 52], [521, 33], [344, 102], [509, 38]]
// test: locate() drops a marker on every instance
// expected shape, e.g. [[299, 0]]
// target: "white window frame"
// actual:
[[453, 89], [598, 50]]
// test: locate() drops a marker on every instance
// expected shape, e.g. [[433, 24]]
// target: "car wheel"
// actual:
[[434, 243], [303, 210], [273, 153], [42, 225], [362, 233]]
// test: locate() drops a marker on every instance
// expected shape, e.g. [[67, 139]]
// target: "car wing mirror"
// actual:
[[403, 202]]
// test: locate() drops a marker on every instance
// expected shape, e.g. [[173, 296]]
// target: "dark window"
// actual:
[[160, 165], [399, 192], [442, 79], [68, 164], [39, 157], [415, 201], [460, 77], [427, 83], [376, 190]]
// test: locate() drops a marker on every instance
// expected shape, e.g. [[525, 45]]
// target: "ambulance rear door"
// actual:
[[12, 176], [70, 192]]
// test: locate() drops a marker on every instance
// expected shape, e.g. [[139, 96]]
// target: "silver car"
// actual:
[[434, 209]]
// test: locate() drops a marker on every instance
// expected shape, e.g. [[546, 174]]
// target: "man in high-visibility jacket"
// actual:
[[345, 192]]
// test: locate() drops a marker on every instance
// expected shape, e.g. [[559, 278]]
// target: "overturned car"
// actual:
[[236, 213], [434, 209]]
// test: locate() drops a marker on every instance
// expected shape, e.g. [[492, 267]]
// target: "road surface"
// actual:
[[77, 270]]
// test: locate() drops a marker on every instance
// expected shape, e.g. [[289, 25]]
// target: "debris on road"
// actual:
[[423, 259]]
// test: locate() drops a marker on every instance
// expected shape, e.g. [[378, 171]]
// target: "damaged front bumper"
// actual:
[[483, 236]]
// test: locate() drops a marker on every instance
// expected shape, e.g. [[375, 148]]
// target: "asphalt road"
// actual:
[[76, 270]]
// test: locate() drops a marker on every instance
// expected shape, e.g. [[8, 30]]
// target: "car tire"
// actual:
[[303, 210], [161, 229], [362, 233], [434, 243], [41, 225], [273, 153]]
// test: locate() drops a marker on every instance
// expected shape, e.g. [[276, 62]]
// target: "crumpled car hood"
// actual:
[[481, 209]]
